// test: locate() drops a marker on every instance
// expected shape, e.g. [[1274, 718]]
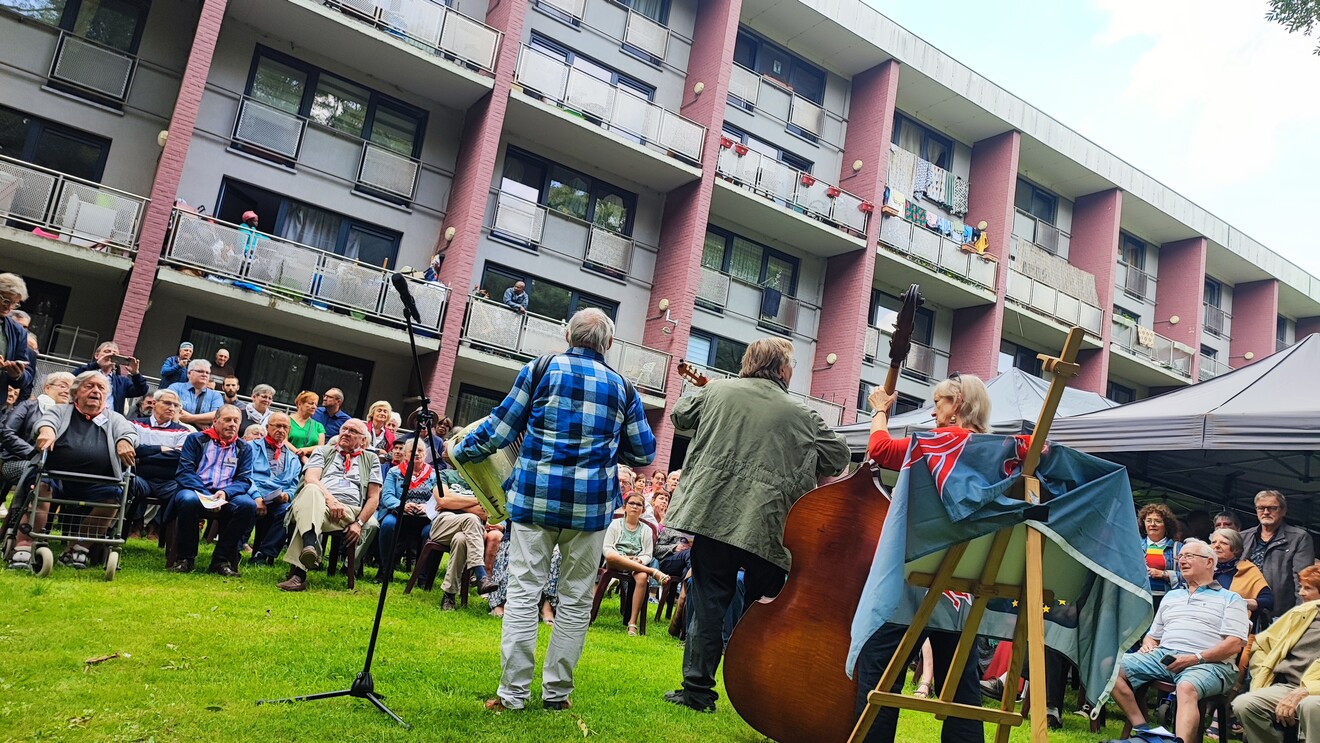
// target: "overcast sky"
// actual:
[[1206, 96]]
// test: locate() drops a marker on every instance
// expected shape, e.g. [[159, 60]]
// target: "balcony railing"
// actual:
[[937, 252], [832, 413], [385, 170], [778, 310], [80, 212], [269, 128], [713, 289], [430, 26], [301, 273], [924, 362], [1211, 368], [491, 325], [1153, 347], [574, 8], [615, 108], [1057, 304], [792, 189], [1041, 233], [528, 221], [645, 34], [93, 66], [1217, 322], [745, 85], [1136, 282]]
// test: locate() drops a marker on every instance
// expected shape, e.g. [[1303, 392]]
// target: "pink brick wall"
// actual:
[[1181, 292], [1307, 326], [683, 227], [977, 330], [466, 211], [169, 170], [848, 278], [1094, 249], [1255, 318]]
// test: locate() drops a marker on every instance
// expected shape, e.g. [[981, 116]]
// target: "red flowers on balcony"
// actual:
[[808, 180]]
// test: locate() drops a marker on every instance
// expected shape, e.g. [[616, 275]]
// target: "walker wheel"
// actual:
[[43, 561], [111, 565]]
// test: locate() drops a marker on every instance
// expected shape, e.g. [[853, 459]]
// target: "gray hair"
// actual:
[[202, 364], [1283, 502], [1231, 518], [163, 393], [359, 425], [20, 315], [57, 376], [1193, 540], [263, 389], [12, 283], [590, 328], [224, 408], [105, 345], [1233, 538], [89, 376]]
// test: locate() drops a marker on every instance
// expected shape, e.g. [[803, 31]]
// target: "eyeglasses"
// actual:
[[792, 362], [14, 303], [1268, 509], [956, 377], [1195, 554]]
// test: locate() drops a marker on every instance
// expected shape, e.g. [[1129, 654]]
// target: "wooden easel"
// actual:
[[1028, 636]]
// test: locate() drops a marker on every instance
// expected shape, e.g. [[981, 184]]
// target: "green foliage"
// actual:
[[1296, 15]]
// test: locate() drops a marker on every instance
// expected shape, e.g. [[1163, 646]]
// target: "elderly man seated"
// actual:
[[215, 475], [1285, 671], [460, 524], [1194, 643], [276, 470], [85, 438], [199, 401], [160, 439], [125, 381], [341, 487]]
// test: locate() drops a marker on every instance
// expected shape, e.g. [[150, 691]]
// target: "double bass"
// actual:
[[784, 664]]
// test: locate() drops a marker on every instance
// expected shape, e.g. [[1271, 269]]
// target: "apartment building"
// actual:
[[705, 171]]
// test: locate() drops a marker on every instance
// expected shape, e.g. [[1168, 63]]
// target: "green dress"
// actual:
[[301, 437]]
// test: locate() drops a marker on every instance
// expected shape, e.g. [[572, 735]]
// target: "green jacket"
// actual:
[[755, 451]]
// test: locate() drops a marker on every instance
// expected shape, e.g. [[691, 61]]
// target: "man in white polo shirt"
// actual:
[[1194, 643]]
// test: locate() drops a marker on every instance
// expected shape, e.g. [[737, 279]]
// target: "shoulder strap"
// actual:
[[539, 367]]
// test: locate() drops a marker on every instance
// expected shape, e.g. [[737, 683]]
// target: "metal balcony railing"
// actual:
[[1153, 347], [792, 189], [526, 221], [1217, 321], [778, 310], [614, 108], [93, 66], [575, 8], [645, 367], [645, 34], [79, 211], [937, 252], [1136, 282], [745, 85], [713, 289], [429, 25], [923, 362], [269, 128], [294, 271], [1040, 233], [385, 170], [831, 412], [1211, 368], [1057, 304]]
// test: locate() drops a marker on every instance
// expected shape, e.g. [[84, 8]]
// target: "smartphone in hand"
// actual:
[[122, 360]]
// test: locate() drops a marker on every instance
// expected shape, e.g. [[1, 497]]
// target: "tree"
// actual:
[[1296, 15]]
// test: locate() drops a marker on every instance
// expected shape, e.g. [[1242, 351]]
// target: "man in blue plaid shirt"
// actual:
[[581, 420]]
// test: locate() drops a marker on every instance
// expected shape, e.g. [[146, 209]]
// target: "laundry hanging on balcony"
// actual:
[[1145, 337], [771, 298], [902, 169], [961, 196]]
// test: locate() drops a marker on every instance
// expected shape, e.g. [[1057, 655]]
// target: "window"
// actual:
[[309, 225], [715, 352], [1210, 352], [765, 148], [1120, 394], [1133, 251], [545, 298], [50, 145], [884, 311], [1281, 324], [1011, 356], [904, 404], [115, 23], [1214, 293], [750, 262], [935, 149], [1126, 313], [765, 58], [568, 191], [474, 403], [656, 10], [1036, 201]]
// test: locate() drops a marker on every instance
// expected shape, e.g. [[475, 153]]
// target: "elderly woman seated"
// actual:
[[20, 425], [1238, 575], [85, 438]]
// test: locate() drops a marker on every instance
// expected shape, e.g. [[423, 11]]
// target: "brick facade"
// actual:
[[1181, 292], [1094, 249], [1255, 321]]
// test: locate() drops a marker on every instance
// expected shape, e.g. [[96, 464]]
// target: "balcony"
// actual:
[[1217, 322], [289, 271], [493, 328], [419, 45], [1151, 348], [269, 129], [1040, 233], [941, 255], [528, 222], [69, 210], [1135, 282], [757, 92], [832, 413], [1053, 303], [93, 67], [640, 33], [924, 363], [771, 309], [1211, 368]]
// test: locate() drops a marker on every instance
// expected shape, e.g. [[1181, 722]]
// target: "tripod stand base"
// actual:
[[363, 688]]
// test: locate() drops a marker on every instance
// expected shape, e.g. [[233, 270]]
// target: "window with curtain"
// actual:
[[656, 10], [923, 141], [749, 261], [771, 60], [1133, 251], [474, 403], [568, 191], [310, 226]]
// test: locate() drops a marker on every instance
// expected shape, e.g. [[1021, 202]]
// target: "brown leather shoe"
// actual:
[[486, 586], [223, 569], [293, 583], [310, 557]]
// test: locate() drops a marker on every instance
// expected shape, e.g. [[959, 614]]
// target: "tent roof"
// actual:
[[1015, 401]]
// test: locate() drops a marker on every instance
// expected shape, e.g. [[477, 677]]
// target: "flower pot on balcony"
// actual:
[[833, 192], [740, 149], [866, 207], [808, 181], [726, 143]]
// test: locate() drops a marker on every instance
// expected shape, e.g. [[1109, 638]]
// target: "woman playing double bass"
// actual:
[[961, 404]]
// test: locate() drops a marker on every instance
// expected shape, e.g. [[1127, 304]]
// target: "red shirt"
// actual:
[[889, 452]]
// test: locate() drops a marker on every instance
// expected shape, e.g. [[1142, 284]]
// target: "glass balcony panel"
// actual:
[[634, 115], [349, 283], [872, 345], [575, 8], [713, 287], [590, 95], [806, 115], [926, 245], [519, 218], [1019, 287], [542, 73], [493, 324], [469, 39], [645, 367], [680, 135]]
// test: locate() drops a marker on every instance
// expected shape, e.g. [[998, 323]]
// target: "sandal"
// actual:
[[660, 576], [632, 630], [923, 690], [21, 559], [76, 558]]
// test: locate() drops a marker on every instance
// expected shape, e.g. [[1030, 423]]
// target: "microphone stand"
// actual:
[[364, 686]]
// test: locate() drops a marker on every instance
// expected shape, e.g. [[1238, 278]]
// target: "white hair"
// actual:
[[12, 283], [590, 328], [202, 364]]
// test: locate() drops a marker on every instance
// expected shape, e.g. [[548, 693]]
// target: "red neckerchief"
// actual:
[[348, 460], [215, 436], [419, 478], [279, 448]]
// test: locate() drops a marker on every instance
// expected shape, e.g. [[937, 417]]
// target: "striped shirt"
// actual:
[[581, 421]]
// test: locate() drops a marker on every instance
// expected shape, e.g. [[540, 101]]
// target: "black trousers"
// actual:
[[714, 580], [873, 660]]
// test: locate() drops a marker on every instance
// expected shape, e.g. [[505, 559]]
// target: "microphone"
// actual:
[[409, 304]]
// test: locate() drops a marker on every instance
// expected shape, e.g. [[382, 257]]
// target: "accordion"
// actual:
[[488, 476]]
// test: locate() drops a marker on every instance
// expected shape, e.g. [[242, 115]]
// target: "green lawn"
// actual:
[[196, 652]]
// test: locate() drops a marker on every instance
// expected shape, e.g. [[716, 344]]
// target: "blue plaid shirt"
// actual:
[[579, 425]]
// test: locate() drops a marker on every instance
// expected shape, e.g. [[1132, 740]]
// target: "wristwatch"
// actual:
[[1200, 658]]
